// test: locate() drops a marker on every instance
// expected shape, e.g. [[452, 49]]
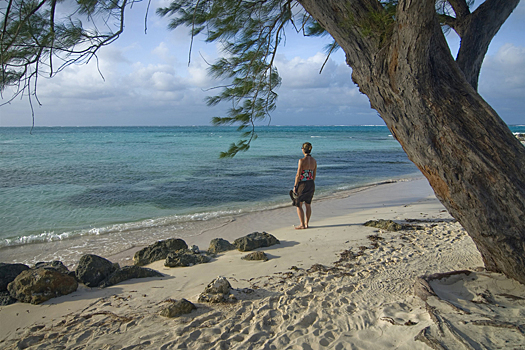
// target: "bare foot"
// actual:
[[299, 227]]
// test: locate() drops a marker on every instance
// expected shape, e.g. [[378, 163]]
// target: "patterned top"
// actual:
[[307, 174]]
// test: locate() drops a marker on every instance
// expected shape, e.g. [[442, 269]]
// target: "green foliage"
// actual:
[[249, 32], [33, 37], [380, 24]]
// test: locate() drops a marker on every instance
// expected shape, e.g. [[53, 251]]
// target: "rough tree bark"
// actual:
[[467, 153]]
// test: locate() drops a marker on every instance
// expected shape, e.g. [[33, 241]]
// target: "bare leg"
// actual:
[[300, 213], [308, 214]]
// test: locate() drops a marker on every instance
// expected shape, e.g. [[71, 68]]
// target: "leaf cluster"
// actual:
[[380, 24], [249, 32], [34, 34]]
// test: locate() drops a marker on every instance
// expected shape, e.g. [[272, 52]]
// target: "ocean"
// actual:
[[105, 189]]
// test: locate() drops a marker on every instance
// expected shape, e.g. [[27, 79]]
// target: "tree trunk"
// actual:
[[467, 153]]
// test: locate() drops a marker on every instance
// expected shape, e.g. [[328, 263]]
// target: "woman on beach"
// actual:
[[304, 186]]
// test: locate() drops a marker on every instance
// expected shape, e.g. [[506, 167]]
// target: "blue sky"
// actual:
[[147, 81]]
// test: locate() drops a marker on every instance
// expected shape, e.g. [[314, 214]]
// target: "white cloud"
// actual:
[[147, 81], [502, 82], [503, 73], [198, 72], [163, 51]]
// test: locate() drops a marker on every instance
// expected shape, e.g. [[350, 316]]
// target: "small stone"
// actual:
[[218, 291], [256, 256], [185, 257], [255, 240], [93, 269], [219, 245], [158, 251], [177, 308]]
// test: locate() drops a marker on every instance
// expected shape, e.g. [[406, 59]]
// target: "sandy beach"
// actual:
[[337, 285]]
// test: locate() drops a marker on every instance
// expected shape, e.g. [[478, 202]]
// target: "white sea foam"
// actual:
[[174, 222], [36, 238]]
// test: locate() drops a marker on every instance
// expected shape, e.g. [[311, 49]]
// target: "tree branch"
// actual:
[[477, 31], [460, 8]]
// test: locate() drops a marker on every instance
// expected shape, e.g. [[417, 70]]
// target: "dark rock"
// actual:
[[218, 291], [390, 225], [56, 265], [93, 269], [6, 299], [38, 285], [255, 240], [185, 257], [219, 245], [177, 308], [8, 273], [127, 273], [256, 256], [158, 251]]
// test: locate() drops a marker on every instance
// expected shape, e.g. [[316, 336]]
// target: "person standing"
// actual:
[[304, 186]]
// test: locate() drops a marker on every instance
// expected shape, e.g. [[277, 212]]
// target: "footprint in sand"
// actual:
[[327, 339]]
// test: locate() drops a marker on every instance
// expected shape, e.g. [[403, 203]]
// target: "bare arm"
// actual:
[[298, 175]]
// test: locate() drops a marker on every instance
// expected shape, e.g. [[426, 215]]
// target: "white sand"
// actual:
[[365, 301]]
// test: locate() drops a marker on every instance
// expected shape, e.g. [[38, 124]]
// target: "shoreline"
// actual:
[[327, 287], [122, 245]]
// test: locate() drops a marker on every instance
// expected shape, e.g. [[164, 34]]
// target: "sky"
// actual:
[[145, 80]]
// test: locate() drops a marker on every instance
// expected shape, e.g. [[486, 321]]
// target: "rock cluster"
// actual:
[[217, 291], [95, 271], [175, 251], [48, 280]]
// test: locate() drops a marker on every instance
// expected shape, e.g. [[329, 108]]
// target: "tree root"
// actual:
[[453, 324]]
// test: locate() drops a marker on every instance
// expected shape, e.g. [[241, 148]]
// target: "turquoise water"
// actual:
[[59, 183]]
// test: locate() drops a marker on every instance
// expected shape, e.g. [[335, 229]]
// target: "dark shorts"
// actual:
[[305, 192]]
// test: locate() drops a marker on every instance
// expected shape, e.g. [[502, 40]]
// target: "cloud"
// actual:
[[147, 81], [163, 52], [502, 74], [310, 97], [502, 82]]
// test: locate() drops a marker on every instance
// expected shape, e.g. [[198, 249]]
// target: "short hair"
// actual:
[[307, 146]]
